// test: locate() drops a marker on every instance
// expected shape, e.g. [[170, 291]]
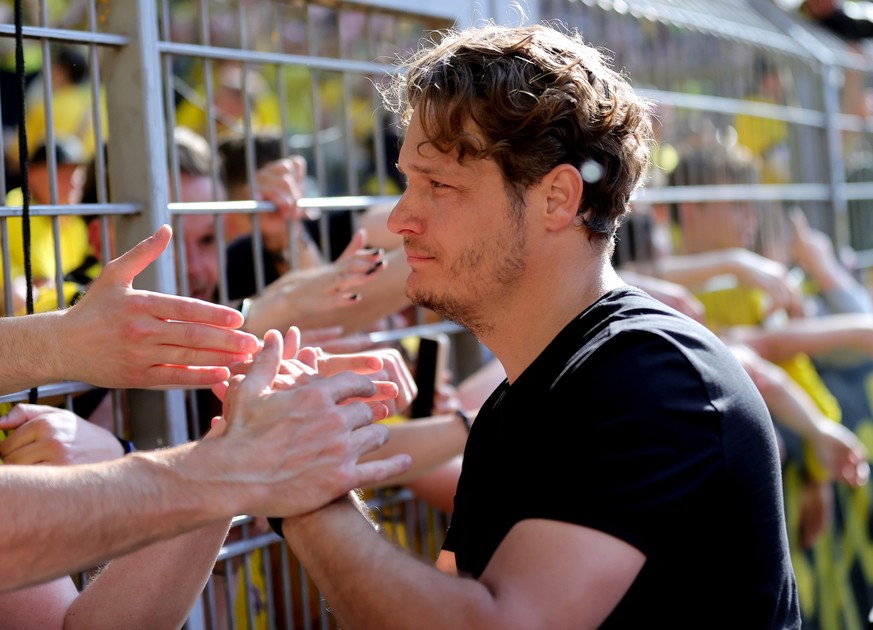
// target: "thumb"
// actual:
[[17, 416], [126, 267]]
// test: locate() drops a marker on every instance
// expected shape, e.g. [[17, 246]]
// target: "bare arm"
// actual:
[[545, 574], [813, 336], [749, 268], [117, 336], [428, 441], [840, 452]]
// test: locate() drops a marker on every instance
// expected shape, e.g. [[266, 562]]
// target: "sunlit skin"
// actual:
[[460, 233]]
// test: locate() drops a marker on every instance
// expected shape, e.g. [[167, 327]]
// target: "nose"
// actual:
[[403, 219]]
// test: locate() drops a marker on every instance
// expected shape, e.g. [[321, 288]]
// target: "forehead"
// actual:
[[418, 155]]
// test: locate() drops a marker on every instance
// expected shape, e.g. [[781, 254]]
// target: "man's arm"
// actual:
[[117, 336], [545, 574]]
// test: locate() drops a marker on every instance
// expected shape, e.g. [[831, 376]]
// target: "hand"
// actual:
[[841, 453], [281, 182], [310, 298], [116, 336], [393, 370], [673, 295], [771, 277], [295, 449], [47, 435]]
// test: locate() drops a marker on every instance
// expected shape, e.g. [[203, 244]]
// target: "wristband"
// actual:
[[468, 424]]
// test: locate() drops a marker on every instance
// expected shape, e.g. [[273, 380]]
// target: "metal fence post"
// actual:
[[138, 173]]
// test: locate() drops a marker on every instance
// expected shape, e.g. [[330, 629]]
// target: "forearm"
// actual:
[[429, 441], [155, 587], [29, 348], [58, 520], [812, 336], [370, 583]]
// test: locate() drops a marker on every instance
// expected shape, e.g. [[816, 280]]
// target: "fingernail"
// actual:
[[374, 268]]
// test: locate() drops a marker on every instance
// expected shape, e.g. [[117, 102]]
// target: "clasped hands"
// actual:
[[301, 420]]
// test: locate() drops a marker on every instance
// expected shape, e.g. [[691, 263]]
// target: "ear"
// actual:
[[562, 188]]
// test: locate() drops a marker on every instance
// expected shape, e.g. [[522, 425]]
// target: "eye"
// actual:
[[436, 184]]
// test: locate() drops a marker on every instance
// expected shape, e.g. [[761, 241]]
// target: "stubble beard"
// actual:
[[473, 271]]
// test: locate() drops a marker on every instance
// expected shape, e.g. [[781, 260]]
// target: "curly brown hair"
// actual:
[[539, 98]]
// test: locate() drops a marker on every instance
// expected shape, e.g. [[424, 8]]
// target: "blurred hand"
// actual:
[[308, 298], [47, 435]]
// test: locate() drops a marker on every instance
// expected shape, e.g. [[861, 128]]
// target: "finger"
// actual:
[[217, 427], [292, 343], [359, 363], [220, 390], [265, 365], [358, 240], [385, 390], [373, 472], [309, 356], [180, 310], [18, 447], [126, 267], [184, 376], [20, 414]]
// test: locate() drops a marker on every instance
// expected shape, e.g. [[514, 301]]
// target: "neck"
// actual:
[[531, 318]]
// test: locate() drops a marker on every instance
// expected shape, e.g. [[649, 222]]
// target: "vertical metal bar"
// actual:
[[836, 168], [285, 559], [229, 583], [134, 105]]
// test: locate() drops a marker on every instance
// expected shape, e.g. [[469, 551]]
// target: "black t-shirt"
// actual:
[[638, 422]]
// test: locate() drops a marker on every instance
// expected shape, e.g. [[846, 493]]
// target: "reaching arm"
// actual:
[[813, 336], [840, 452], [749, 268], [545, 574]]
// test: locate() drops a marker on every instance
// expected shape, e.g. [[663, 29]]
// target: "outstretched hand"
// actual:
[[117, 336]]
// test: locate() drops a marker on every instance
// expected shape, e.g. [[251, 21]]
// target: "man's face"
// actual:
[[462, 237], [201, 254]]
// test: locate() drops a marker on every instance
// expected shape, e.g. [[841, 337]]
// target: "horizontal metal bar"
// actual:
[[396, 334], [313, 205], [66, 35], [703, 102], [77, 208], [261, 57], [761, 192], [46, 391]]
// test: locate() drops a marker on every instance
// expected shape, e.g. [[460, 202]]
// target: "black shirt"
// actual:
[[638, 422]]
